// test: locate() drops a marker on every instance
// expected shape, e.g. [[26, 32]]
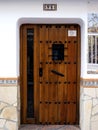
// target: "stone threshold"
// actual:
[[49, 127]]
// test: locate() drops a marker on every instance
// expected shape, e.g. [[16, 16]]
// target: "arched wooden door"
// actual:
[[49, 73]]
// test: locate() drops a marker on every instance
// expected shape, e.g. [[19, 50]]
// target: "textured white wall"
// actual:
[[13, 13]]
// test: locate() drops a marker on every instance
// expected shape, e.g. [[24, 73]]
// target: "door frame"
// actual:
[[79, 65]]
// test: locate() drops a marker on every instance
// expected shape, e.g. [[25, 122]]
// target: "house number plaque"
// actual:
[[49, 7], [72, 33]]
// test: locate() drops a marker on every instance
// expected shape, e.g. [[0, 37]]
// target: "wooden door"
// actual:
[[54, 62]]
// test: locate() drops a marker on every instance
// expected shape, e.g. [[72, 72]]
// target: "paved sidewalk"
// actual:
[[49, 127]]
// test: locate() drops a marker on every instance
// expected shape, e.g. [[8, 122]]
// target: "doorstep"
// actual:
[[48, 127]]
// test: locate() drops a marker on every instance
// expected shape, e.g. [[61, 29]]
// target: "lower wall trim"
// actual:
[[9, 81], [13, 81], [89, 83]]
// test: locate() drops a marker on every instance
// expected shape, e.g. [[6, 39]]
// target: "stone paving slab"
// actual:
[[49, 127]]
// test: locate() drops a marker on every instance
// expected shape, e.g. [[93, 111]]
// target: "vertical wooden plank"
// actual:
[[24, 96], [62, 86], [44, 78], [71, 113], [36, 73], [21, 72], [78, 71], [52, 79], [72, 72], [42, 84], [72, 88]]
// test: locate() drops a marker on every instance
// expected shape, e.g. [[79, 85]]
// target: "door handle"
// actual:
[[40, 72], [57, 73]]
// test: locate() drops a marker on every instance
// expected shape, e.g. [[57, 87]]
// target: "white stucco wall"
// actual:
[[11, 14]]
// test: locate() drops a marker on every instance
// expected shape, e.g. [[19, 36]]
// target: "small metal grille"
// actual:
[[93, 49], [58, 52]]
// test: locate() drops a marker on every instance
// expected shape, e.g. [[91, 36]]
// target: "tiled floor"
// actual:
[[49, 127]]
